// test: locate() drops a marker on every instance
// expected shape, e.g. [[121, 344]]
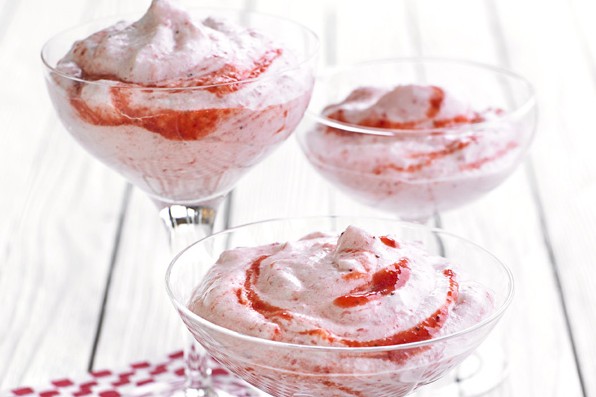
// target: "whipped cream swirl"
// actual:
[[359, 290], [167, 47]]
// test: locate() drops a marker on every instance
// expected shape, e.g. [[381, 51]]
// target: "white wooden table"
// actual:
[[82, 254]]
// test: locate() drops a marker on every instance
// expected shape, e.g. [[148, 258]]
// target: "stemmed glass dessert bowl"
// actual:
[[186, 143], [289, 369], [450, 132]]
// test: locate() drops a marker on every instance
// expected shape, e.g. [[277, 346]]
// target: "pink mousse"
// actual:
[[357, 290], [426, 150], [182, 107]]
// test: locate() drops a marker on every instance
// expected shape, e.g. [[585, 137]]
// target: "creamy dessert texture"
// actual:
[[352, 291], [181, 106], [427, 150], [357, 290]]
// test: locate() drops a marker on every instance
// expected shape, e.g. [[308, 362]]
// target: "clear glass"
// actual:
[[185, 147], [445, 168], [417, 173], [285, 370]]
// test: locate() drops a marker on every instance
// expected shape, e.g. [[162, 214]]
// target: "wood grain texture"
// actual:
[[140, 321], [506, 220], [564, 162], [60, 213]]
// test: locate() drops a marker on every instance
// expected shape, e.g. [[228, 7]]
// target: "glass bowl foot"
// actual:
[[480, 373]]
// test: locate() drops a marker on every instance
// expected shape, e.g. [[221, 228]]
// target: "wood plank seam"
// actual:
[[113, 260], [413, 27], [583, 40], [555, 268], [330, 36], [497, 29], [226, 213]]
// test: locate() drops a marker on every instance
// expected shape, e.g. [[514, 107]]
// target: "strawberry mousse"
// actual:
[[413, 150], [181, 106], [358, 290]]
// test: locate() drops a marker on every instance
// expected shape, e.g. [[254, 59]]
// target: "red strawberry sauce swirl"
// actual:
[[172, 124], [374, 286], [383, 282], [414, 108], [423, 330], [251, 298]]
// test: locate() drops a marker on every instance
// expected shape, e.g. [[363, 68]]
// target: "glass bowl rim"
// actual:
[[511, 115], [498, 312], [111, 20]]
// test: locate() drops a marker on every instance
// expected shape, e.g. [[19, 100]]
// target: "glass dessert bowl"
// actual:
[[415, 137], [342, 367], [182, 104], [185, 139]]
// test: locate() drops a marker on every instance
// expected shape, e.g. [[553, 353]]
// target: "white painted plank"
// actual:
[[285, 184], [553, 53], [60, 213], [55, 265], [140, 322], [506, 221], [316, 15], [366, 33], [582, 13]]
